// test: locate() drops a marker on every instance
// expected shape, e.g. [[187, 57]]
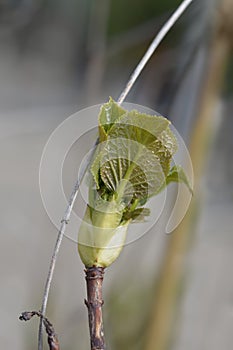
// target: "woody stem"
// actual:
[[94, 302]]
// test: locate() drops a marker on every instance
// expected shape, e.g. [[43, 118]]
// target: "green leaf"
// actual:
[[129, 169], [140, 127], [95, 167], [108, 115], [177, 174], [138, 148], [152, 131]]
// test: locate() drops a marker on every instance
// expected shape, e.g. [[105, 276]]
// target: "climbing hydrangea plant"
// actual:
[[131, 164]]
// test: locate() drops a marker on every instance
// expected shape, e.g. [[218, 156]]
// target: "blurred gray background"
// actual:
[[57, 57]]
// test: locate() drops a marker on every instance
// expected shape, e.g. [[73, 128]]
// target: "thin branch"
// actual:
[[64, 223], [52, 336], [153, 46], [135, 36], [159, 37]]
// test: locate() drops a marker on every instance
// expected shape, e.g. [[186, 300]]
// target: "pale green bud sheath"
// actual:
[[101, 237]]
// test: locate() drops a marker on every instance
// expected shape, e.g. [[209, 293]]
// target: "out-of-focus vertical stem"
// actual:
[[94, 302], [166, 294]]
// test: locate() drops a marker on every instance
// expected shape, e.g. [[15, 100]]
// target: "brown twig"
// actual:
[[94, 302], [52, 337]]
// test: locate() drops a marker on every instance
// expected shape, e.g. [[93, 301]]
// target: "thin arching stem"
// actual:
[[64, 223], [61, 232], [153, 46], [155, 43]]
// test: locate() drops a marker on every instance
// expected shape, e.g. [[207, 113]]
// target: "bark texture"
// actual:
[[94, 302]]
